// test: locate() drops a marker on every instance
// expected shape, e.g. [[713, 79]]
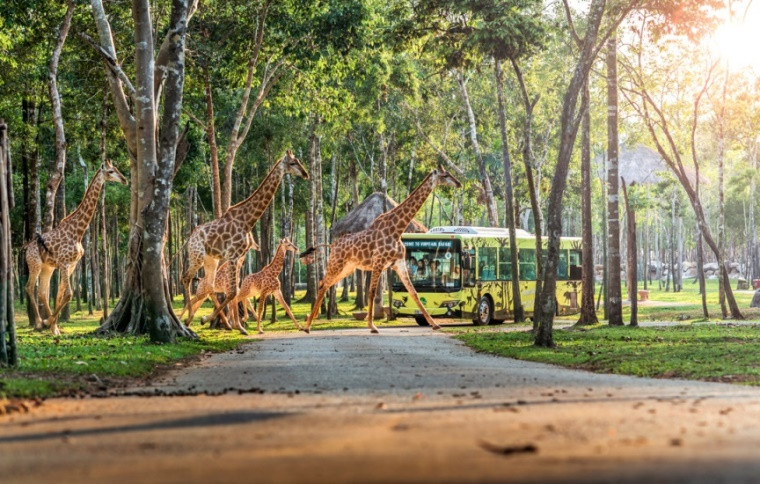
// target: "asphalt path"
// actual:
[[407, 405]]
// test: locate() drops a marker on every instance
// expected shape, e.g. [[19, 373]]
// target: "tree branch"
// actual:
[[111, 63]]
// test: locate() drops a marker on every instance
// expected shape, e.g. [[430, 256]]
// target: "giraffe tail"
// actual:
[[41, 243], [171, 261], [307, 256]]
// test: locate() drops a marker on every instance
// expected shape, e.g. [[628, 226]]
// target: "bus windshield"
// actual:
[[433, 265]]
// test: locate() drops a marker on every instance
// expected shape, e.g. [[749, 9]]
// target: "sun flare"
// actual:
[[738, 40]]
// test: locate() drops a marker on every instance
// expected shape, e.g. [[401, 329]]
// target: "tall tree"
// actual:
[[152, 134], [614, 293]]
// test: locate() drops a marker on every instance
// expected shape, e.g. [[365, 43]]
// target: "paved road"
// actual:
[[406, 405]]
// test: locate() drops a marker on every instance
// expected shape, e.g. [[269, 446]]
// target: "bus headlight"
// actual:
[[450, 304]]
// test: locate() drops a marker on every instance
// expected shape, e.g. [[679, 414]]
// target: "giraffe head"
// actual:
[[288, 245], [292, 165], [442, 177], [111, 173]]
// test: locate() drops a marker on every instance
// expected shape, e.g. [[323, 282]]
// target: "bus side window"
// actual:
[[576, 271], [527, 258], [505, 264], [562, 265], [487, 263], [468, 267]]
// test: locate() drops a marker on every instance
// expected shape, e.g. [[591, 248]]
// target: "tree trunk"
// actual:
[[8, 352], [535, 207], [632, 270], [588, 311], [353, 177], [568, 131], [216, 186], [145, 305], [509, 218], [56, 175], [613, 215], [491, 210]]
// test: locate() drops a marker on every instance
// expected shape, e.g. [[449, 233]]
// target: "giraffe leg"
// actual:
[[400, 267], [43, 294], [207, 284], [374, 280], [195, 262], [248, 306], [231, 293], [34, 273], [281, 299], [260, 311], [333, 275], [222, 315], [64, 296], [195, 303]]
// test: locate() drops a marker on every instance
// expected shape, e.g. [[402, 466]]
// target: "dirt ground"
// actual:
[[408, 405]]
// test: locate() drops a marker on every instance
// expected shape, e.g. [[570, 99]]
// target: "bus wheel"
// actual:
[[421, 320], [485, 312]]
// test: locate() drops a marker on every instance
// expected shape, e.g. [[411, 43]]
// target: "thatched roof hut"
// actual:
[[643, 165], [362, 216]]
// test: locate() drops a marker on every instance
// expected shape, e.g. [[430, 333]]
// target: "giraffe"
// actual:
[[378, 247], [205, 290], [266, 282], [229, 237], [61, 248]]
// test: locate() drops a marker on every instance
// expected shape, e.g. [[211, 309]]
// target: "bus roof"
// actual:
[[468, 232], [482, 231]]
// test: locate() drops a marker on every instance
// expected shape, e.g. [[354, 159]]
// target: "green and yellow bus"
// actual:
[[465, 273]]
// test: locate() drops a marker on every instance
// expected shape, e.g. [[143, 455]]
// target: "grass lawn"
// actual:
[[695, 349], [703, 351], [51, 365]]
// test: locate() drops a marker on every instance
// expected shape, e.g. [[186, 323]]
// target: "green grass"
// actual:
[[697, 351], [57, 365], [51, 365]]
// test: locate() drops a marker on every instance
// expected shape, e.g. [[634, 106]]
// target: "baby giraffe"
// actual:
[[266, 282], [205, 290]]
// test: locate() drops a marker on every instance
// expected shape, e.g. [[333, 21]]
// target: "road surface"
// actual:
[[407, 405]]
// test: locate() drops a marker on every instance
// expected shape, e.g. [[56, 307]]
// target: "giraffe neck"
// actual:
[[76, 222], [252, 208], [278, 260], [402, 215]]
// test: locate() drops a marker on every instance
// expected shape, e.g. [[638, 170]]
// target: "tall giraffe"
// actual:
[[266, 282], [229, 237], [378, 247], [61, 248]]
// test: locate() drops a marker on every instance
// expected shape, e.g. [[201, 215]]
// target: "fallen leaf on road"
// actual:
[[509, 449]]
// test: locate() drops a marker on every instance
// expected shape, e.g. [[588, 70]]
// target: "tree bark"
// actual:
[[569, 122], [145, 305], [56, 176], [216, 187], [632, 269], [588, 310], [613, 214], [535, 207], [8, 351]]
